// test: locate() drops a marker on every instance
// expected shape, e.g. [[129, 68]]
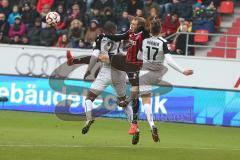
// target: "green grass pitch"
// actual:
[[41, 136]]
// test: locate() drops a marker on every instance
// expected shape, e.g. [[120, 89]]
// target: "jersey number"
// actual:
[[149, 52]]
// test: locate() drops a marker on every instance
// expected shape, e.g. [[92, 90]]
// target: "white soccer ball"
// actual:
[[52, 18]]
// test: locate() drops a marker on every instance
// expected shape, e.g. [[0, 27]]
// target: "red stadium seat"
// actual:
[[201, 36], [220, 52], [226, 7]]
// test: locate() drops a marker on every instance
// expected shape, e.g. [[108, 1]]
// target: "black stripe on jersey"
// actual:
[[98, 43], [136, 51], [165, 46]]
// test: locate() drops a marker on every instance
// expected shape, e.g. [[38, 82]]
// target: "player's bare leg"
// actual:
[[146, 99]]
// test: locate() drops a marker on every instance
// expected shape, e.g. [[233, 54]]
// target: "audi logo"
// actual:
[[38, 65]]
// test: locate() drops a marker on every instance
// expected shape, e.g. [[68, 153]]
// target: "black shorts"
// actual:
[[119, 62]]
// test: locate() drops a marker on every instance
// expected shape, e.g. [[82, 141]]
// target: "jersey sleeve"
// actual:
[[118, 37], [97, 44], [165, 48]]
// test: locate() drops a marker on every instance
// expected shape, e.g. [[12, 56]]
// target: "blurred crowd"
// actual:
[[23, 21]]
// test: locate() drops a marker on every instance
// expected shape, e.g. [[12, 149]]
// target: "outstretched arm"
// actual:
[[118, 37], [174, 65]]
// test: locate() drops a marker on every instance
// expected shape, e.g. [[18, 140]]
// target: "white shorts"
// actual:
[[110, 76], [148, 78]]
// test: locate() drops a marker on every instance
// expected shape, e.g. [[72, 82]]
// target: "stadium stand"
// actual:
[[23, 21]]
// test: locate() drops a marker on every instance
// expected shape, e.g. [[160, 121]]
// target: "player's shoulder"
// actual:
[[152, 38], [162, 39]]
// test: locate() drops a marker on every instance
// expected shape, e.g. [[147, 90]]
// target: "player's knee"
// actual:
[[91, 96]]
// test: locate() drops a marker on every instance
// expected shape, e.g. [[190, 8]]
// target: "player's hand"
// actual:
[[103, 58], [87, 74], [188, 72], [179, 51]]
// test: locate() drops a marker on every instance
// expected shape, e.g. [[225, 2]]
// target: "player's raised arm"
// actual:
[[118, 37], [171, 62]]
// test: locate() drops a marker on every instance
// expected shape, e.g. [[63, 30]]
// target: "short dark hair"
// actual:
[[109, 27], [155, 27]]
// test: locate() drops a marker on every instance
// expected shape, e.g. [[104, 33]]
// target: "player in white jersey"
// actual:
[[154, 52], [106, 76]]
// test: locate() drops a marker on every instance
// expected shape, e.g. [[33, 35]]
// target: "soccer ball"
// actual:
[[52, 18]]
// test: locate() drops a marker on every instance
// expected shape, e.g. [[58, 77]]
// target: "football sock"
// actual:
[[88, 109], [83, 60], [135, 106], [149, 115], [128, 110]]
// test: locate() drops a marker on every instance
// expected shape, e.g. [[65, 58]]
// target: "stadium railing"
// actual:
[[225, 45]]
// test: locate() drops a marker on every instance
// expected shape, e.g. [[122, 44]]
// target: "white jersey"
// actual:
[[108, 75], [107, 46], [153, 50]]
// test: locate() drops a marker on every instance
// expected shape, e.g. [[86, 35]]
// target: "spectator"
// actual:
[[48, 36], [165, 7], [16, 39], [43, 14], [63, 42], [183, 8], [102, 4], [147, 7], [4, 27], [15, 13], [76, 32], [204, 17], [123, 23], [95, 14], [119, 7], [42, 3], [153, 15], [139, 13], [75, 13], [32, 3], [108, 16], [5, 8], [92, 32], [216, 3], [29, 14], [182, 23], [18, 28], [133, 5], [35, 32], [25, 40], [81, 44], [170, 24], [46, 9], [81, 4], [62, 24], [181, 41]]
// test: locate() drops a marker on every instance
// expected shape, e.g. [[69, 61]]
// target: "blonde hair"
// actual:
[[141, 21], [75, 21]]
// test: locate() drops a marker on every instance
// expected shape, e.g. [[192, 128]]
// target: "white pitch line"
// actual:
[[81, 146]]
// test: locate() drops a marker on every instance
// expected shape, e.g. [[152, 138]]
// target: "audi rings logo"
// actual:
[[38, 65]]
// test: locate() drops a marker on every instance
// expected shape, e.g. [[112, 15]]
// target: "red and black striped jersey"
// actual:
[[135, 44]]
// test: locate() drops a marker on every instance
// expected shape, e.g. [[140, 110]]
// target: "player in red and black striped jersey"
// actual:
[[130, 63]]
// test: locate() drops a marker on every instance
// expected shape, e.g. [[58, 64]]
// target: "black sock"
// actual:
[[135, 105], [84, 60]]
